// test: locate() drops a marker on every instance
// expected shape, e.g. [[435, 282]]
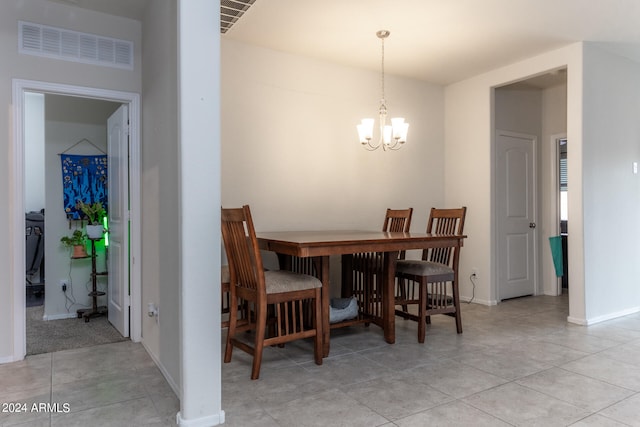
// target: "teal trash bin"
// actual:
[[556, 253]]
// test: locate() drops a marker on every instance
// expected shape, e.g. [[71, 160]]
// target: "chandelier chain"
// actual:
[[382, 73]]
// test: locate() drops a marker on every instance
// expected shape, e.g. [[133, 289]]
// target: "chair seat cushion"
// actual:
[[278, 281], [424, 268]]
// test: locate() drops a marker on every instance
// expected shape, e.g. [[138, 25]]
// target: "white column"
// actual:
[[199, 121]]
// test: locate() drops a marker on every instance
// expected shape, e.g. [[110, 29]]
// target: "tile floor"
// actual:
[[105, 385], [518, 363]]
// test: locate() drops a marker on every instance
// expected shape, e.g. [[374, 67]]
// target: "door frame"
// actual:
[[17, 201], [536, 202]]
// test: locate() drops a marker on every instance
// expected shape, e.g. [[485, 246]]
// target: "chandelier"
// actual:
[[392, 136]]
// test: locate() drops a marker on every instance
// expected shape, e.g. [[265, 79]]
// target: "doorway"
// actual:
[[62, 129], [535, 106], [132, 100]]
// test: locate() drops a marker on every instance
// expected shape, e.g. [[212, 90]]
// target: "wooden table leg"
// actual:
[[388, 297], [322, 266]]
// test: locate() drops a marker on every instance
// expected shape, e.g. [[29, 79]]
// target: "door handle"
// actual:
[[532, 225]]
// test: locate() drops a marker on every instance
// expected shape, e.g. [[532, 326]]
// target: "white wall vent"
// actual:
[[58, 43]]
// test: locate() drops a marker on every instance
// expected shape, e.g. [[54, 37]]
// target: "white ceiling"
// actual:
[[440, 41], [127, 8]]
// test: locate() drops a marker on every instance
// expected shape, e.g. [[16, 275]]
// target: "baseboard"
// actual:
[[9, 359], [603, 318], [478, 301], [211, 420], [48, 317], [576, 321]]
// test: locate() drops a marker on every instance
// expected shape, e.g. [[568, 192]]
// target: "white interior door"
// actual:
[[515, 214], [118, 287]]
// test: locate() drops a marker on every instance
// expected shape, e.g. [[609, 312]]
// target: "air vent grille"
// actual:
[[51, 42], [231, 11]]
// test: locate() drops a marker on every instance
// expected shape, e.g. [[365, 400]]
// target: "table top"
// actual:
[[337, 242]]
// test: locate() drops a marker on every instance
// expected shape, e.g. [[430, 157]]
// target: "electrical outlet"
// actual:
[[64, 283]]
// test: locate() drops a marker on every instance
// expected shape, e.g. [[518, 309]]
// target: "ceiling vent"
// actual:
[[231, 11], [57, 43]]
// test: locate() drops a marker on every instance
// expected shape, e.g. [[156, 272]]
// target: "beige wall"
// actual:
[[610, 192], [160, 196], [518, 110], [290, 148], [29, 67]]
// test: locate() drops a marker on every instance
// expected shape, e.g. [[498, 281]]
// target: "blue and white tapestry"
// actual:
[[84, 178]]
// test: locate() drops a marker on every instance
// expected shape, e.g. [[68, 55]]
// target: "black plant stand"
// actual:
[[95, 310]]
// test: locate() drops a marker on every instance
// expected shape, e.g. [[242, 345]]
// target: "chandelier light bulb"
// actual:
[[365, 130]]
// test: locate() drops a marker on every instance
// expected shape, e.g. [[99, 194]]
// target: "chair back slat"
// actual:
[[397, 220], [302, 265], [447, 222], [241, 246]]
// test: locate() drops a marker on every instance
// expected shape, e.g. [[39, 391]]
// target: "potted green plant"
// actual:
[[94, 213], [76, 241]]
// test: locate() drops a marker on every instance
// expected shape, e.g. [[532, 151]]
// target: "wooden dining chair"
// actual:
[[225, 288], [278, 297], [367, 267], [432, 282]]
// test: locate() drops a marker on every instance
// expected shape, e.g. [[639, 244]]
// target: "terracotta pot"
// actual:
[[79, 251]]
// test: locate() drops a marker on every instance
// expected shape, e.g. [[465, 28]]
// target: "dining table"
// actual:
[[317, 246]]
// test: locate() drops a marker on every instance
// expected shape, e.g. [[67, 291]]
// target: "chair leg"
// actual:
[[402, 282], [422, 311], [261, 326], [456, 302], [317, 324], [426, 299], [231, 331]]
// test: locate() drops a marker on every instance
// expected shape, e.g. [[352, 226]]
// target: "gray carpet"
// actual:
[[66, 334]]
